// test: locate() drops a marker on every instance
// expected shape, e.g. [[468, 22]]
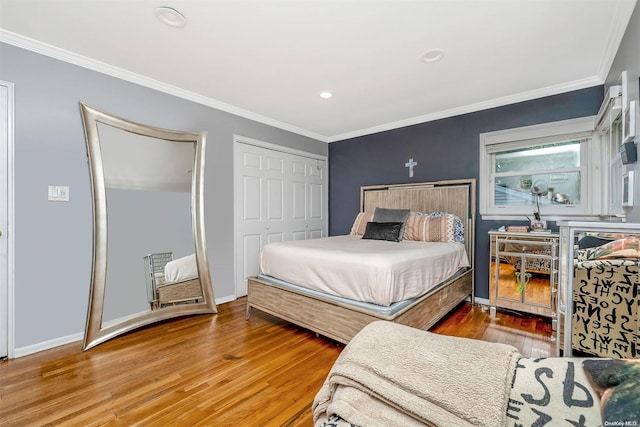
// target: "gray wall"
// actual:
[[628, 59], [53, 240]]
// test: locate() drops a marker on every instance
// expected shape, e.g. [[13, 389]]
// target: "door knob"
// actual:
[[267, 227]]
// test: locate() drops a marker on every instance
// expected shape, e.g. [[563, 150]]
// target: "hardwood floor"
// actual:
[[207, 370], [530, 334]]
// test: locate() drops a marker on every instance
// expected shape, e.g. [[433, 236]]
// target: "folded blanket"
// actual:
[[391, 374]]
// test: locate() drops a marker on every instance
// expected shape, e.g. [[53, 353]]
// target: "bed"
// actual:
[[327, 312], [171, 281]]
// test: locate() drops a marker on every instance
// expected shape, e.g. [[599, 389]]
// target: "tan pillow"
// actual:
[[423, 228], [360, 224]]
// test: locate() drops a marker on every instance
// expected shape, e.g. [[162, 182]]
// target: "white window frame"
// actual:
[[608, 133], [590, 169]]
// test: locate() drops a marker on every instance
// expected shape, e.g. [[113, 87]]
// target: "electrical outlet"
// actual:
[[59, 193]]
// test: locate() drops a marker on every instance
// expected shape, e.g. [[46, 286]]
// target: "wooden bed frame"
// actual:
[[341, 321]]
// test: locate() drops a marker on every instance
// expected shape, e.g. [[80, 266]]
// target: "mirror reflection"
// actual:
[[149, 253], [151, 261]]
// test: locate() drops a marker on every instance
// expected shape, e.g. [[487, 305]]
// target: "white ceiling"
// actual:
[[268, 60]]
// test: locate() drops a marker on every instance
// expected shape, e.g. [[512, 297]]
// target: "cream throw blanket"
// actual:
[[391, 374]]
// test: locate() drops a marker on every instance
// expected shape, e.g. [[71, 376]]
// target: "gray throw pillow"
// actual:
[[392, 215], [389, 231]]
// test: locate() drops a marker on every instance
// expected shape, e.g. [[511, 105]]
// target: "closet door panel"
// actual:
[[279, 196]]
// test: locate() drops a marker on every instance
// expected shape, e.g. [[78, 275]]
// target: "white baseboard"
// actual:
[[480, 301], [228, 298], [46, 345]]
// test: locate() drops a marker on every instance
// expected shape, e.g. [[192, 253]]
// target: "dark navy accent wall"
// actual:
[[444, 149]]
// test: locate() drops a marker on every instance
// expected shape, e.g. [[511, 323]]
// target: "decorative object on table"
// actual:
[[518, 228], [539, 188], [523, 279], [538, 225]]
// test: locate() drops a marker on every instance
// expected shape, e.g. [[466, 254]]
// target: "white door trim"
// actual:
[[239, 139], [10, 219]]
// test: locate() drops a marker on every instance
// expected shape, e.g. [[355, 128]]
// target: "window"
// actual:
[[608, 133], [545, 167]]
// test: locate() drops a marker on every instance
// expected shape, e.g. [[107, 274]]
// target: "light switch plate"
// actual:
[[59, 193]]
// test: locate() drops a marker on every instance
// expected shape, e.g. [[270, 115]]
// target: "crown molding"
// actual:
[[120, 73], [479, 106], [104, 68], [618, 28]]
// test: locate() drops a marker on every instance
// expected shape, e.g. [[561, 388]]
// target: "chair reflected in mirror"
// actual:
[[171, 282]]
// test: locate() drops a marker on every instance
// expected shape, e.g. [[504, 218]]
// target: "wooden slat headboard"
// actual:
[[454, 196]]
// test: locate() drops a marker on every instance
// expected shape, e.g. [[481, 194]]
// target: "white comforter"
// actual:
[[181, 269], [374, 271]]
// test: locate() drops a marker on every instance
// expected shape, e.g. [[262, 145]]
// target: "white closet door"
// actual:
[[279, 196], [308, 198], [260, 207]]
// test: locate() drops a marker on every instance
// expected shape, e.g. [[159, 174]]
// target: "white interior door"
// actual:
[[308, 206], [6, 203], [279, 196], [260, 209]]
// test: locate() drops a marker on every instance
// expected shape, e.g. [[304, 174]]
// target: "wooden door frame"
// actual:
[[239, 139]]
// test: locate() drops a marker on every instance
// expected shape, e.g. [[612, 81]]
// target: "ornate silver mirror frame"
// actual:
[[96, 331]]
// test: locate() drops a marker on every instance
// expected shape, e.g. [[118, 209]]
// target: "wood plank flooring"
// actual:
[[215, 370]]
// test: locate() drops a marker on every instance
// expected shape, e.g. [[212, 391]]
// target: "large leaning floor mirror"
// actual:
[[149, 251]]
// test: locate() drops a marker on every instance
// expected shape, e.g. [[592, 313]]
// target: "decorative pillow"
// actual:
[[607, 236], [618, 383], [424, 228], [552, 392], [391, 215], [458, 226], [383, 231], [591, 242], [360, 224], [628, 248]]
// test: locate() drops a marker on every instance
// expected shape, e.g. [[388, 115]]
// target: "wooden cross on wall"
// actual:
[[410, 164]]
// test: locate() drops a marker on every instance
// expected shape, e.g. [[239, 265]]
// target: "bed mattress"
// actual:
[[373, 271]]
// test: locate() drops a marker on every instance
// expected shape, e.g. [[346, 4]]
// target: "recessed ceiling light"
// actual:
[[432, 55], [170, 16], [326, 95]]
